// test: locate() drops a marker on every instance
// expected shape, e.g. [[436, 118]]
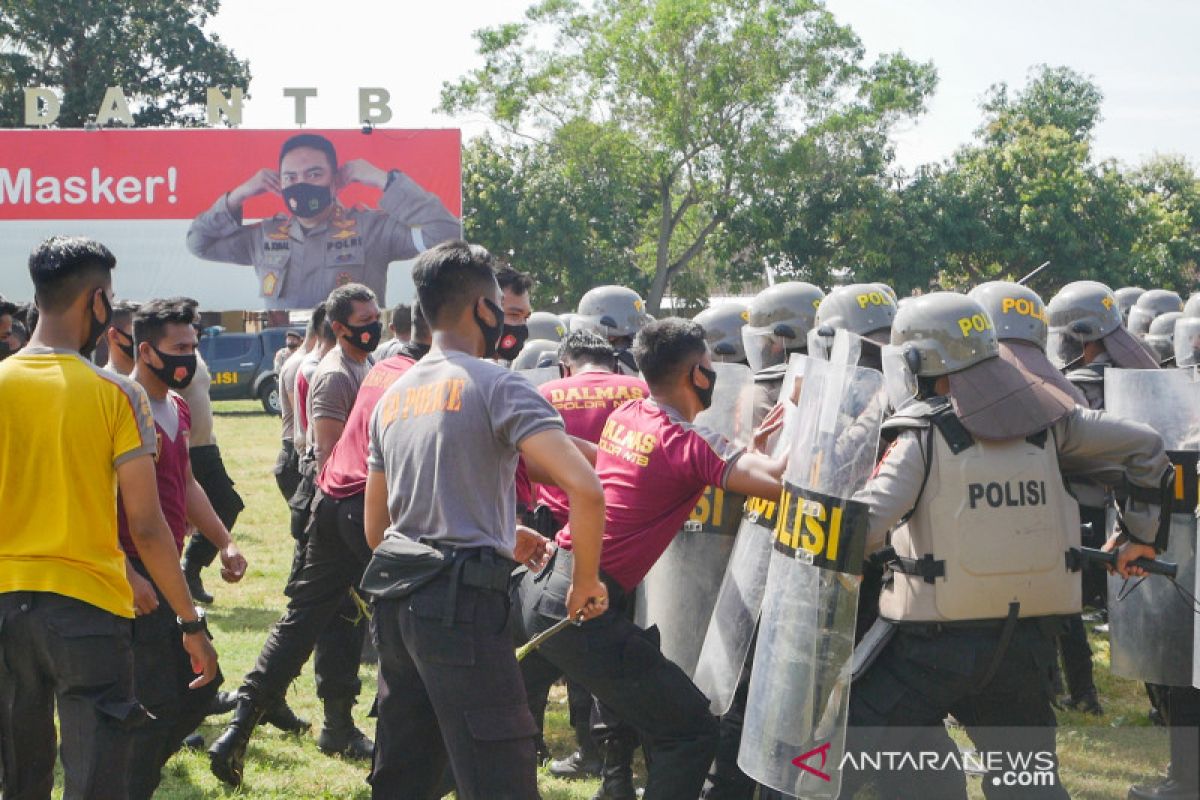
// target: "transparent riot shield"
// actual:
[[735, 612], [679, 592], [795, 725], [1151, 626]]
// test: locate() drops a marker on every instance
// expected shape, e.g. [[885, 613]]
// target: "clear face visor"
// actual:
[[765, 347], [1187, 342], [1062, 349], [899, 381], [819, 345]]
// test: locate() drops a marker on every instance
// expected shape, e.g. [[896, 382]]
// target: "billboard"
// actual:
[[238, 219]]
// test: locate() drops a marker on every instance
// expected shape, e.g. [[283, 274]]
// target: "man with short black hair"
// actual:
[[291, 342], [400, 324], [301, 256], [353, 316], [167, 361], [418, 346], [445, 440], [210, 472], [654, 465], [121, 355], [62, 571], [7, 346], [515, 299]]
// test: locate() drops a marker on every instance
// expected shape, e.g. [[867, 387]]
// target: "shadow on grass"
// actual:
[[242, 412], [240, 618]]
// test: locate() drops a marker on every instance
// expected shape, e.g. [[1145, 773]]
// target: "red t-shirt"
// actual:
[[345, 471], [584, 401], [654, 467], [170, 469]]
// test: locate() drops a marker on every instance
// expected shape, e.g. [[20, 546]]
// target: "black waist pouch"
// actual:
[[400, 566]]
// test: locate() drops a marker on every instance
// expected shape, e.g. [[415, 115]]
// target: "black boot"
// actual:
[[1169, 789], [617, 773], [339, 736], [282, 716], [577, 765], [222, 703], [191, 572], [1088, 703], [227, 755]]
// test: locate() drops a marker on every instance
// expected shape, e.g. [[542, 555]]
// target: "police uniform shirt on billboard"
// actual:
[[297, 267]]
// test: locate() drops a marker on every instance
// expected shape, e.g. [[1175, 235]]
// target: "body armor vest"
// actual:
[[991, 527]]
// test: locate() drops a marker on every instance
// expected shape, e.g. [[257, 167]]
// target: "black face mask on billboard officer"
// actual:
[[444, 531], [977, 458]]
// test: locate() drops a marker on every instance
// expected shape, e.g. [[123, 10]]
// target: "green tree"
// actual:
[[156, 50], [704, 103]]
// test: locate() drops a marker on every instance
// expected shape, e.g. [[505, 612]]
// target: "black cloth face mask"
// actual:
[[307, 199], [126, 346], [97, 328], [176, 371], [706, 395], [365, 337], [512, 340], [491, 333]]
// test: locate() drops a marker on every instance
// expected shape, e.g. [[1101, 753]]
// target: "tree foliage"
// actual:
[[704, 104], [156, 50]]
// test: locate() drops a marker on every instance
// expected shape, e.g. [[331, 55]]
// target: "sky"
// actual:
[[1142, 55]]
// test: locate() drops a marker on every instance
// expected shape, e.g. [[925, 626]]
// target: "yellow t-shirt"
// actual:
[[65, 427]]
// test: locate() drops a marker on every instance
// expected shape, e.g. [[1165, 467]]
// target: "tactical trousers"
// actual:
[[321, 612], [162, 671], [287, 470], [726, 781], [623, 668], [450, 690], [209, 471], [1077, 658], [925, 672], [58, 650]]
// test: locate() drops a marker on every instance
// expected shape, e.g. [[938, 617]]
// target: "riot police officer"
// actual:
[[1161, 337], [544, 325], [779, 320], [616, 313], [967, 623], [723, 330], [864, 309]]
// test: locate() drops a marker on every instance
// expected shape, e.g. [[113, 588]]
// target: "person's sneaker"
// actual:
[[1088, 703], [576, 765], [1169, 789], [1101, 628]]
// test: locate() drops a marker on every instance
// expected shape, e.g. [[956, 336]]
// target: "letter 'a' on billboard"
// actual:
[[201, 212]]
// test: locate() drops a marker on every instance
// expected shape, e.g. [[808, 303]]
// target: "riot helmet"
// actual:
[[1161, 336], [536, 353], [723, 331], [611, 311], [1016, 311], [778, 323], [1187, 341], [1149, 306], [544, 325], [1127, 296]]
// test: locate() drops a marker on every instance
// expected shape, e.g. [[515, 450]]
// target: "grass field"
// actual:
[[1101, 756]]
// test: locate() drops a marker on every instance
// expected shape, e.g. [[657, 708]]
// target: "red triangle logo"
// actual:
[[823, 752]]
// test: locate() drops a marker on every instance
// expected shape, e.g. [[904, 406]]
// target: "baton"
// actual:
[[1164, 568], [1031, 275], [541, 638]]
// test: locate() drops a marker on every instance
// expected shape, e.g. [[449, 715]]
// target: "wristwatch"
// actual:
[[198, 625]]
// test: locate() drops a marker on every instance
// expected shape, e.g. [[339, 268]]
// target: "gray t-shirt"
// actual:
[[446, 435], [334, 386], [287, 386], [196, 395]]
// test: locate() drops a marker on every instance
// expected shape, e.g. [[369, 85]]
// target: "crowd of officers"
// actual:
[[491, 471]]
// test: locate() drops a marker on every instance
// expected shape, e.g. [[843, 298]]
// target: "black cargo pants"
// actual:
[[926, 671], [450, 690], [58, 650], [321, 612], [287, 470], [623, 668], [209, 471], [162, 671]]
